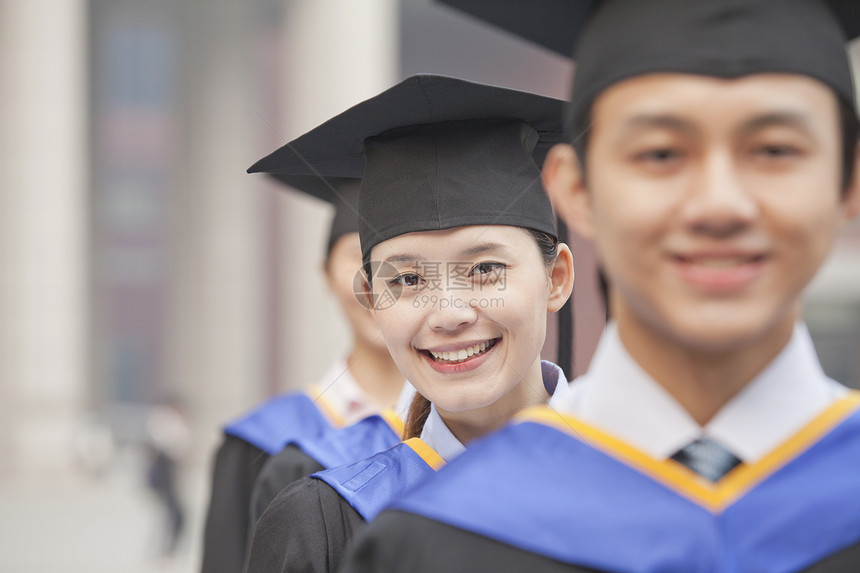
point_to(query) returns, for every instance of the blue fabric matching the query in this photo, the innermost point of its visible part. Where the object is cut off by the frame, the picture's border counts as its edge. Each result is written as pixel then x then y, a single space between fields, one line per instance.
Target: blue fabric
pixel 598 512
pixel 278 421
pixel 371 484
pixel 338 446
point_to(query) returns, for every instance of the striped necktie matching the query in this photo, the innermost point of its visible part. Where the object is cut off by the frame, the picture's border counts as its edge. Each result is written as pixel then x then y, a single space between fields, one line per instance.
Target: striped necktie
pixel 707 458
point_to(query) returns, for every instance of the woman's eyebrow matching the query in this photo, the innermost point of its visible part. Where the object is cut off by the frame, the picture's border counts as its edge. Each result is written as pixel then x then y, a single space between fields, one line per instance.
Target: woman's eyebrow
pixel 482 248
pixel 404 258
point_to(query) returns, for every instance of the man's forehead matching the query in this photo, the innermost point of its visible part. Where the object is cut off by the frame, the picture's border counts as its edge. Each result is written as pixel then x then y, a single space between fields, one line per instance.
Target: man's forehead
pixel 666 100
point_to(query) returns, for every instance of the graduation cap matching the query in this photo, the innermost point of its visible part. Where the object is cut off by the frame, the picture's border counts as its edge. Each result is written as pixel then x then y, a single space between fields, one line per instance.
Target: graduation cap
pixel 434 153
pixel 619 39
pixel 340 192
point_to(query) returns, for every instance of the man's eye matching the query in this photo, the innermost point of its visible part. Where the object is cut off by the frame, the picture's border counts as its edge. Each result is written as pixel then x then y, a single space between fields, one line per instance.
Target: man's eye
pixel 659 155
pixel 777 151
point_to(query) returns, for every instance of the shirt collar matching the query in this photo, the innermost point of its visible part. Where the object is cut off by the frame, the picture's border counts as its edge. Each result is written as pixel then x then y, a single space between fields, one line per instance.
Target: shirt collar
pixel 404 401
pixel 617 396
pixel 437 435
pixel 343 394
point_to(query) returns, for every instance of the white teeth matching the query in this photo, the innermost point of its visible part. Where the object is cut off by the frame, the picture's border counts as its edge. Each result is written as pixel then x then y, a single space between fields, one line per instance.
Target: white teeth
pixel 460 355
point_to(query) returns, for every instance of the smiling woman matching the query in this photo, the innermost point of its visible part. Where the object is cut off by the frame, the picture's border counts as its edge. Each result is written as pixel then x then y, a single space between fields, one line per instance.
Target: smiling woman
pixel 452 209
pixel 476 363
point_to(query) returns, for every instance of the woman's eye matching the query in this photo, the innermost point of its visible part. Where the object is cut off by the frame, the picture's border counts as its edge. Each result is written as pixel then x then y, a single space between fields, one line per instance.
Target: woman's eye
pixel 406 280
pixel 488 268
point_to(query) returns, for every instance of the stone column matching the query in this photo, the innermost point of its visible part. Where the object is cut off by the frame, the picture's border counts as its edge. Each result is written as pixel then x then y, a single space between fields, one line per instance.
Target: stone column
pixel 337 53
pixel 214 352
pixel 43 231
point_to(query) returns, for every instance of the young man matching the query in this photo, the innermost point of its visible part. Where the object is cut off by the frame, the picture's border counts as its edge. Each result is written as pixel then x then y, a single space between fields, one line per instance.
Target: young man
pixel 714 161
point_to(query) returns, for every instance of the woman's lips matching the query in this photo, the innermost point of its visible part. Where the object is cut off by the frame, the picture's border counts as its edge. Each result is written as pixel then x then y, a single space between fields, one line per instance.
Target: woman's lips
pixel 462 358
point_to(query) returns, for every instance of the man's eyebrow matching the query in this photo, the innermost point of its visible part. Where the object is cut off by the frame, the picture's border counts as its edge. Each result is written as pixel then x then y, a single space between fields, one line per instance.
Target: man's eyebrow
pixel 661 121
pixel 778 119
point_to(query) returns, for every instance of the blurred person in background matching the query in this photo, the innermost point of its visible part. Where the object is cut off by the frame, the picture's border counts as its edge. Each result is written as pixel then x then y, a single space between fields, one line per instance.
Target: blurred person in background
pixel 363 383
pixel 168 440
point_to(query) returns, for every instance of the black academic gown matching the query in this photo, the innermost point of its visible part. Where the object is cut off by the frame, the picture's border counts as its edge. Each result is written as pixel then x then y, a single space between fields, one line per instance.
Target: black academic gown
pixel 313 541
pixel 304 456
pixel 248 442
pixel 237 465
pixel 538 497
pixel 404 542
pixel 309 524
pixel 278 472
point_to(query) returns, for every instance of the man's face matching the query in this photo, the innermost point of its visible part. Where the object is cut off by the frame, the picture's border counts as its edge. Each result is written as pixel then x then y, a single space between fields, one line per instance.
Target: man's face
pixel 711 202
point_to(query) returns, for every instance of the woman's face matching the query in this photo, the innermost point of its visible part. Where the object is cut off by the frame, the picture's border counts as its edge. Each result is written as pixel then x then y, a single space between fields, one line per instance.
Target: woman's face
pixel 344 262
pixel 466 318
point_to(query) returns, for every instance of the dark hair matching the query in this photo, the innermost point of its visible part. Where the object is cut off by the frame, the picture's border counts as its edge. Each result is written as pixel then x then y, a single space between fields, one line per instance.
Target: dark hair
pixel 547 244
pixel 419 409
pixel 848 122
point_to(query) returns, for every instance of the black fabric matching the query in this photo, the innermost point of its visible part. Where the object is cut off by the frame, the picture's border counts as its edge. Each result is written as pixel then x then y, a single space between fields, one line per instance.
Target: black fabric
pixel 403 542
pixel 341 192
pixel 434 153
pixel 304 530
pixel 846 560
pixel 553 24
pixel 717 38
pixel 557 24
pixel 279 471
pixel 237 465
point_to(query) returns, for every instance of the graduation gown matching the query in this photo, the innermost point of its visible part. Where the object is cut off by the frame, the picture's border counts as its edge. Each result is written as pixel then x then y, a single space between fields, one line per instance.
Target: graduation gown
pixel 308 525
pixel 248 442
pixel 307 454
pixel 552 493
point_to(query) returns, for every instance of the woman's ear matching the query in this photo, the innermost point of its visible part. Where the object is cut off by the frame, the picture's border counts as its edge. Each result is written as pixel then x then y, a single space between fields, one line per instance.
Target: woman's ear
pixel 564 181
pixel 851 195
pixel 367 295
pixel 560 279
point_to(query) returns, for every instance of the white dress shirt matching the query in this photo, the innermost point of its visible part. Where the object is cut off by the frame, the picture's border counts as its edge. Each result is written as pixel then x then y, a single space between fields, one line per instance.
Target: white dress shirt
pixel 437 435
pixel 348 400
pixel 618 397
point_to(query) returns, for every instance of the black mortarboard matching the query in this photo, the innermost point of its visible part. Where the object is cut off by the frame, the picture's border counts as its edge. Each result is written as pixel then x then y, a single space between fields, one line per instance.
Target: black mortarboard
pixel 723 38
pixel 341 192
pixel 435 153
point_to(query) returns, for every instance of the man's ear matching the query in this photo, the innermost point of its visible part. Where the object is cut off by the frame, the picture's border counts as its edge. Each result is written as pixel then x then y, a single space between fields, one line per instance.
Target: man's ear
pixel 851 195
pixel 564 181
pixel 561 279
